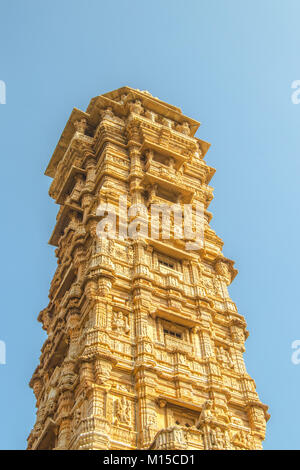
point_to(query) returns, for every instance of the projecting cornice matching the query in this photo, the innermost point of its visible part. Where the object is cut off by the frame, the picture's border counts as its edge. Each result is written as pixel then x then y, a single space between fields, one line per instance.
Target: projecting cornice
pixel 65 138
pixel 150 102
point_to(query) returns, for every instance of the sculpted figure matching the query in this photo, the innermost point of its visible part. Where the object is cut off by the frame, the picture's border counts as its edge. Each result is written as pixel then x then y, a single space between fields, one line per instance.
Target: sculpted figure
pixel 206 413
pixel 37 387
pixel 120 323
pixel 178 435
pixel 207 409
pixel 136 107
pixel 223 270
pixel 224 357
pixel 81 126
pixel 219 438
pixel 77 417
pixel 153 191
pixel 213 438
pixel 171 165
pixel 227 442
pixel 123 98
pixel 103 370
pixel 238 335
pixel 108 113
pixel 122 411
pixel 183 128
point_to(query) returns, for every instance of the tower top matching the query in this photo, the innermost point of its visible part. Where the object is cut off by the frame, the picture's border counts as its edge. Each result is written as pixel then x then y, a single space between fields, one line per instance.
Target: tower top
pixel 119 101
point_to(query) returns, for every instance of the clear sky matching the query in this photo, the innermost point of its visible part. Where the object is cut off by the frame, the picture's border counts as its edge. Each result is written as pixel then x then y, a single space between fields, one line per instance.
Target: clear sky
pixel 229 64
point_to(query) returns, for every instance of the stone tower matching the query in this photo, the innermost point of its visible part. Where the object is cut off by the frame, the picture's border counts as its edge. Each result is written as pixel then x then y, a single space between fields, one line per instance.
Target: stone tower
pixel 144 346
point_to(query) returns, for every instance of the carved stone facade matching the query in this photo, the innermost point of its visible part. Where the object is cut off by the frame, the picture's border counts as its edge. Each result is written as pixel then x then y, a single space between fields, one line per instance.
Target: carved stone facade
pixel 144 346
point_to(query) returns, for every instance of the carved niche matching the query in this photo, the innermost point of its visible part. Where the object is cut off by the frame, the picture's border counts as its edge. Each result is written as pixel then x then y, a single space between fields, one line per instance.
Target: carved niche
pixel 120 323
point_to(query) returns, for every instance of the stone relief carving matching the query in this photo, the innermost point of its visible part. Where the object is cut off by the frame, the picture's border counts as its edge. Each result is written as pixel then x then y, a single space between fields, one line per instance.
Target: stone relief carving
pixel 224 357
pixel 109 114
pixel 136 107
pixel 183 128
pixel 103 369
pixel 206 413
pixel 122 411
pixel 81 125
pixel 120 323
pixel 223 270
pixel 242 439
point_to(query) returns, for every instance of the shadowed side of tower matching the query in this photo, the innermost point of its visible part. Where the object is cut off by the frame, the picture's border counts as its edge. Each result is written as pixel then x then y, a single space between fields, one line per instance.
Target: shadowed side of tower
pixel 145 346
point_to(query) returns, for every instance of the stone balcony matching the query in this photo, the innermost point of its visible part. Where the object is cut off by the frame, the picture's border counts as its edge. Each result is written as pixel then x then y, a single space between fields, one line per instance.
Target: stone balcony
pixel 171 181
pixel 169 438
pixel 175 344
pixel 165 139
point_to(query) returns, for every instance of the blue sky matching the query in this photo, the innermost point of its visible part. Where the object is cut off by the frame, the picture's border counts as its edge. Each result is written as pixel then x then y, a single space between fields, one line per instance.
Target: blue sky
pixel 229 64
